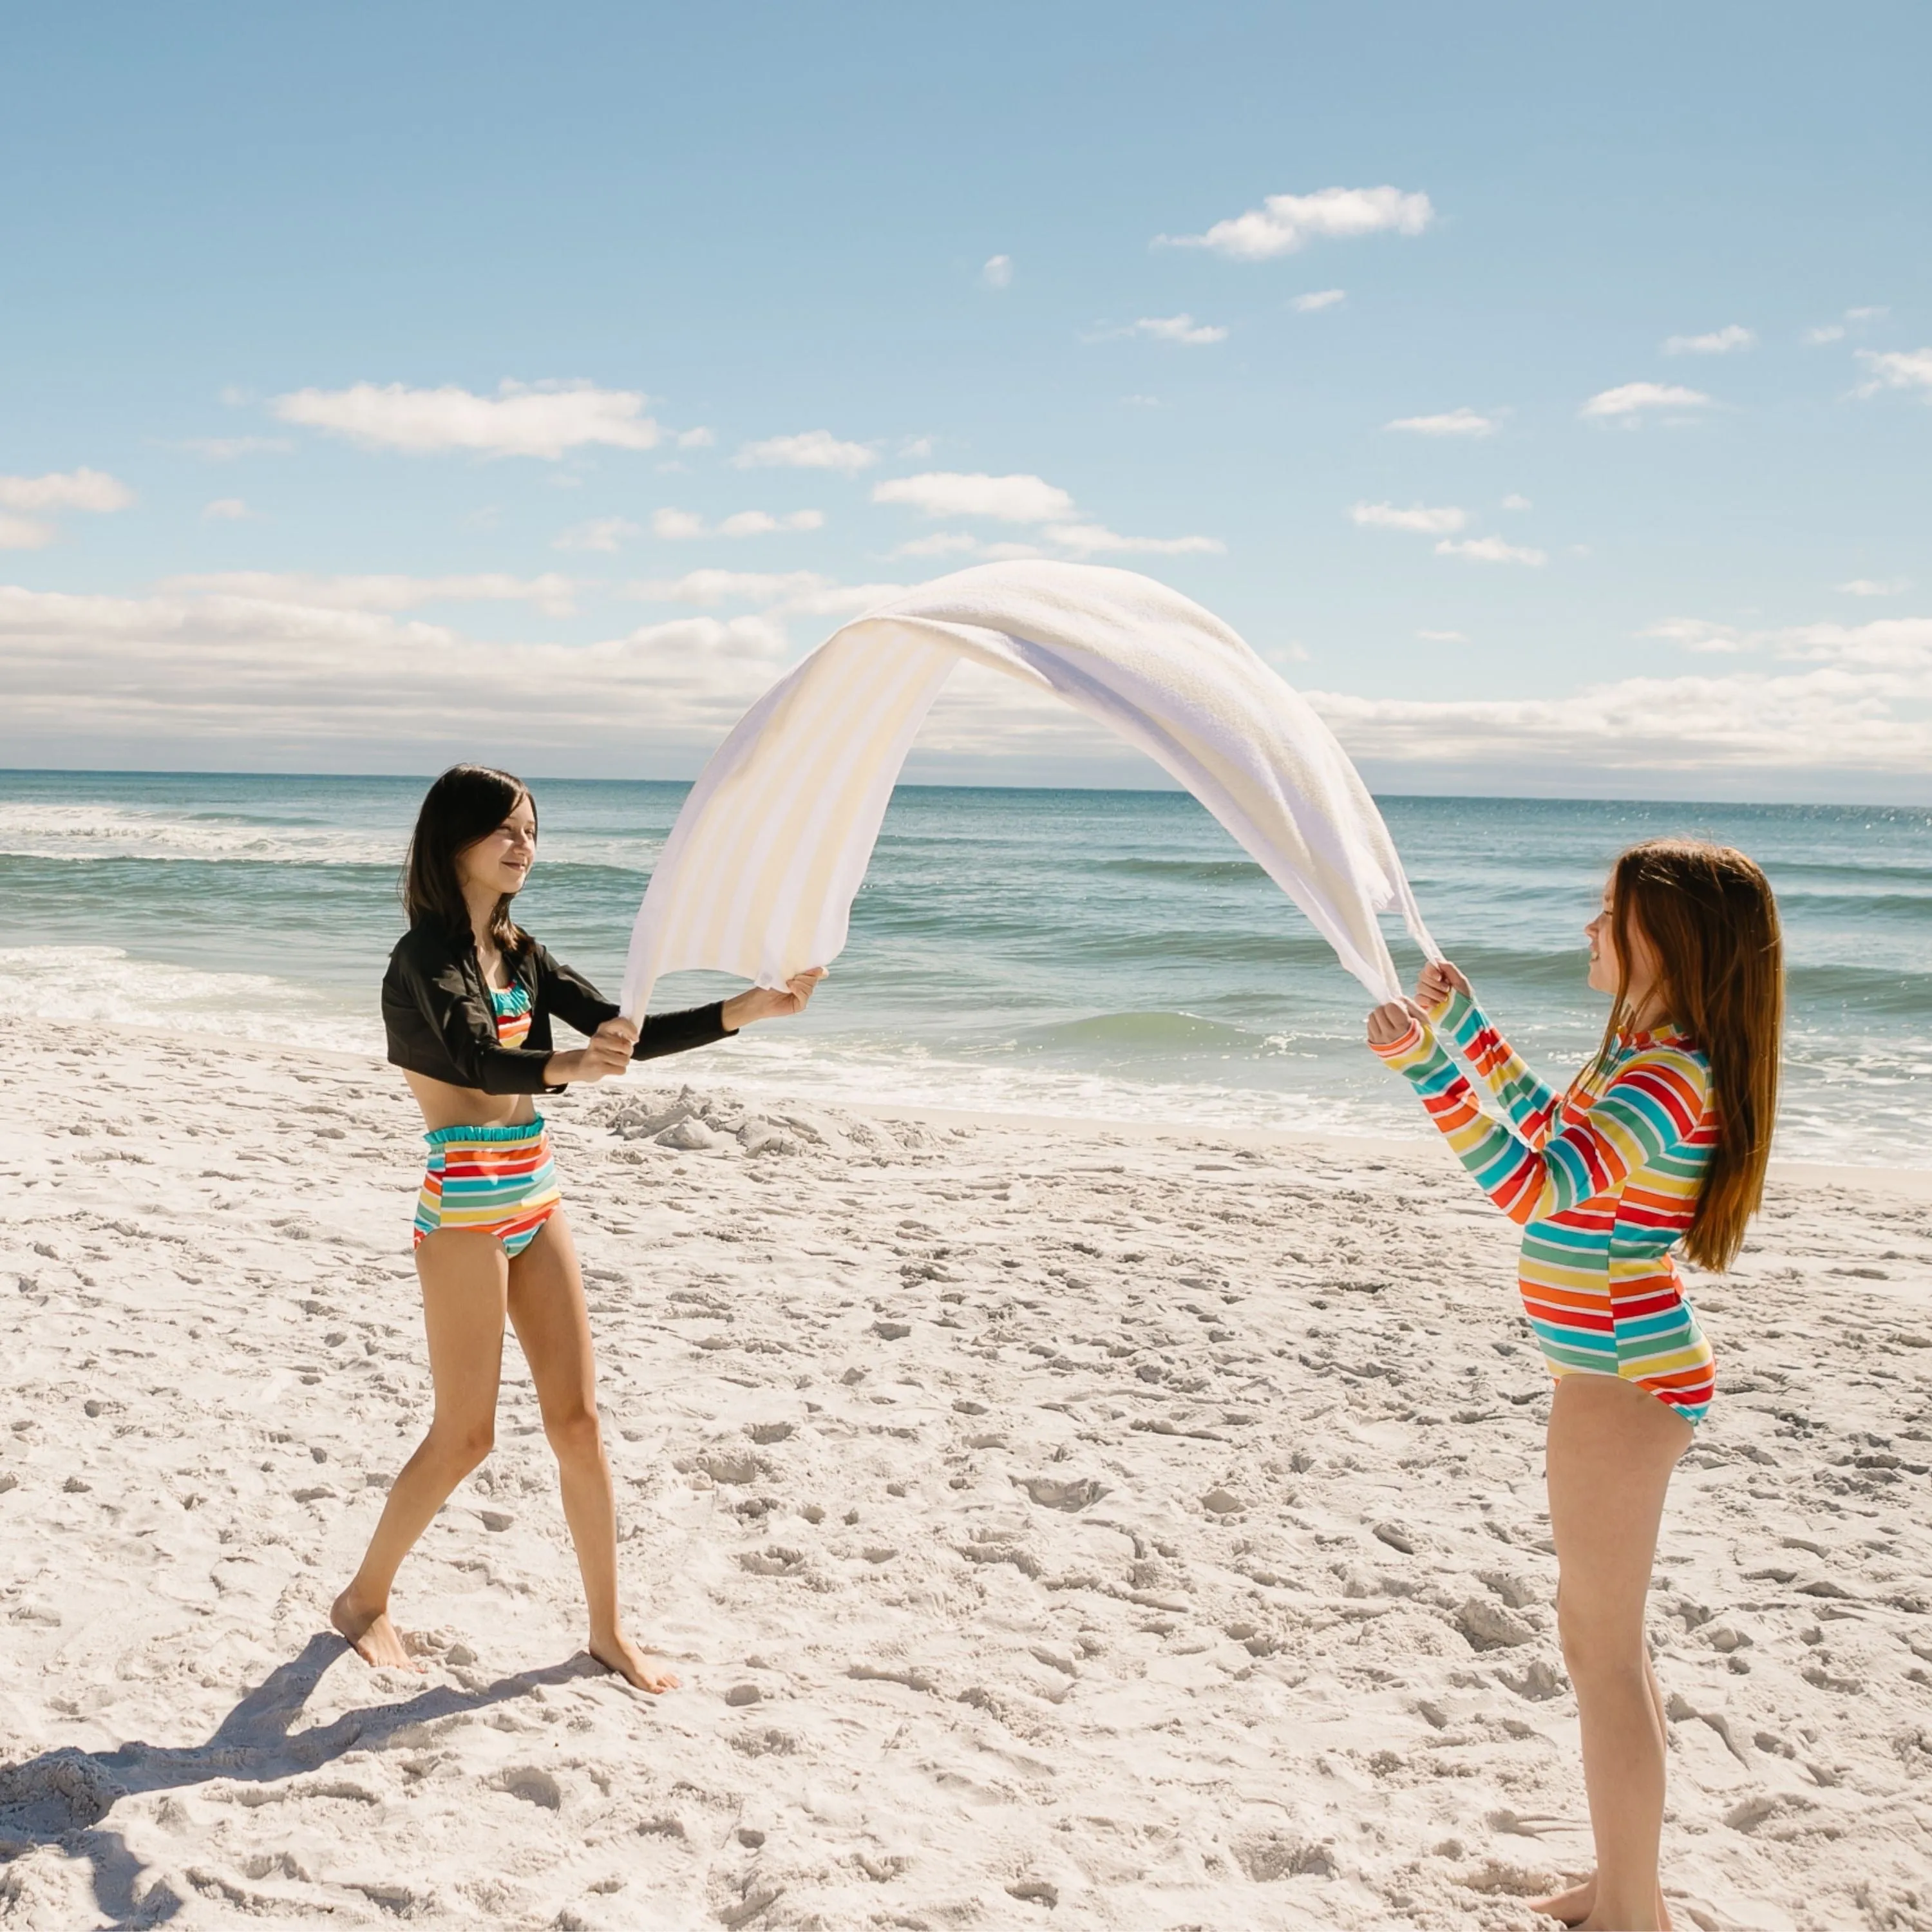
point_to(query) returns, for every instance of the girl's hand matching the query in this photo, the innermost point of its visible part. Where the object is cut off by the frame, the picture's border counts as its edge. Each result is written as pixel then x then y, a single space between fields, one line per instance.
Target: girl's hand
pixel 608 1053
pixel 1388 1023
pixel 761 1002
pixel 1437 980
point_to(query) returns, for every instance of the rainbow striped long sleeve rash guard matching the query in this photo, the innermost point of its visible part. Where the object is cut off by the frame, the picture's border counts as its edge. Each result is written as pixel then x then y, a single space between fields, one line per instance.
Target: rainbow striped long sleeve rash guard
pixel 1603 1180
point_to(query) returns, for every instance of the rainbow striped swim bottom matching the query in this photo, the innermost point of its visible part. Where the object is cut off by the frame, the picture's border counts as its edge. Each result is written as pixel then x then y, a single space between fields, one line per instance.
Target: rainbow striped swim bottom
pixel 496 1180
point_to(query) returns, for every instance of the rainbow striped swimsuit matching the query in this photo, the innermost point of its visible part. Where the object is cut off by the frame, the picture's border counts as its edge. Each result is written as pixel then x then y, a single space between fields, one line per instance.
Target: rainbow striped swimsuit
pixel 1604 1183
pixel 493 1180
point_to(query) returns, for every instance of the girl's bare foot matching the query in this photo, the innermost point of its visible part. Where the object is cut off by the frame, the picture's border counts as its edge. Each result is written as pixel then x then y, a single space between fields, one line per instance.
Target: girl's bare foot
pixel 1571 1907
pixel 374 1639
pixel 619 1654
pixel 1577 1906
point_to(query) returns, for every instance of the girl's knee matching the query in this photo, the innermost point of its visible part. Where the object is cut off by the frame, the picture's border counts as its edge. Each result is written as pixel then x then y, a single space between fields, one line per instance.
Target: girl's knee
pixel 575 1434
pixel 463 1446
pixel 1597 1648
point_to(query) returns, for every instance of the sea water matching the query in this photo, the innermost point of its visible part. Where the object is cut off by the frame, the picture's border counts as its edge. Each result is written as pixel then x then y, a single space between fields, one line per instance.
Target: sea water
pixel 1100 955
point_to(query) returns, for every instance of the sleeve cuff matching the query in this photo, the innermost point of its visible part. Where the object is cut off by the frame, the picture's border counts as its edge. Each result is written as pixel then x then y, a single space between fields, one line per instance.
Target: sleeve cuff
pixel 1416 1048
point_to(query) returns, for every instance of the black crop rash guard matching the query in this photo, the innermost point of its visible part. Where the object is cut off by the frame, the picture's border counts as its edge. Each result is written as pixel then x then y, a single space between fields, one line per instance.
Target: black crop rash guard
pixel 436 1012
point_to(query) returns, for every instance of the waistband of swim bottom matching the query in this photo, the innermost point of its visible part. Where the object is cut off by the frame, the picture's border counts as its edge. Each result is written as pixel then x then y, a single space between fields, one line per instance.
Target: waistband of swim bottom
pixel 519 1132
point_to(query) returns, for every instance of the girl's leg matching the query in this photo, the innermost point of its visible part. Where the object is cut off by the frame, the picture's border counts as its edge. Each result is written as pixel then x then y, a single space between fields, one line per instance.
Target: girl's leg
pixel 465 1281
pixel 1611 1448
pixel 1573 1906
pixel 546 1303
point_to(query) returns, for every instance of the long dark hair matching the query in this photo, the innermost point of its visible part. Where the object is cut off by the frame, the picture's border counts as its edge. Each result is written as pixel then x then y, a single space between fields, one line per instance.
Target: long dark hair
pixel 468 803
pixel 1709 912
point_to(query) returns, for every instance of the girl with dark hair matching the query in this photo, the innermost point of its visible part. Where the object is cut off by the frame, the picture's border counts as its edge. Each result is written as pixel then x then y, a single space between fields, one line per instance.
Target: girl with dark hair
pixel 467 1004
pixel 1663 1138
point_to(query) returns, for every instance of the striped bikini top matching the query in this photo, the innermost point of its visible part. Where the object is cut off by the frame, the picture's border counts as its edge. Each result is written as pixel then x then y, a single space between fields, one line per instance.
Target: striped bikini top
pixel 512 1010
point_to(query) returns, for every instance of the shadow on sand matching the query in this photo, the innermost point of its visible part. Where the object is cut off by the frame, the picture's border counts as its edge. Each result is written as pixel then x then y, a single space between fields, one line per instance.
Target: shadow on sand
pixel 61 1797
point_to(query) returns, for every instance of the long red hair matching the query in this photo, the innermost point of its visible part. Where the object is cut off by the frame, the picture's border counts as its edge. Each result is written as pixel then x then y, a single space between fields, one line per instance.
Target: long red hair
pixel 1709 913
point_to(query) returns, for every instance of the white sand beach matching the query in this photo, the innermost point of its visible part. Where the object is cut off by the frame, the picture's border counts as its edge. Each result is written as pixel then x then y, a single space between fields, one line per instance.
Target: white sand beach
pixel 1052 1524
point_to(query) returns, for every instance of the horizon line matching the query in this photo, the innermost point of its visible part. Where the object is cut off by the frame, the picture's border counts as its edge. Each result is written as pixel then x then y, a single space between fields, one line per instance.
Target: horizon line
pixel 925 784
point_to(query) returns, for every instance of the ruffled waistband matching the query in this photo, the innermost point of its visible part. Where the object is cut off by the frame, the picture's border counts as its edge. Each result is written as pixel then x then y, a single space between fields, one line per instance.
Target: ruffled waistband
pixel 516 1132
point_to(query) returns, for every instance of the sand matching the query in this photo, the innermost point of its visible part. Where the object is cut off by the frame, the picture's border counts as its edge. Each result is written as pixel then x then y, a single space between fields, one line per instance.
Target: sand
pixel 1054 1526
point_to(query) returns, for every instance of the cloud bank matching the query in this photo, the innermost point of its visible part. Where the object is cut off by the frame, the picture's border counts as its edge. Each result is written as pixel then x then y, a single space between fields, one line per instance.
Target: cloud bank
pixel 304 667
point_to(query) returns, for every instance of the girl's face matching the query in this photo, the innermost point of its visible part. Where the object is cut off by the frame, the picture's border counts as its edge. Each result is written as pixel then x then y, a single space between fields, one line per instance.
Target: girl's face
pixel 1605 968
pixel 501 860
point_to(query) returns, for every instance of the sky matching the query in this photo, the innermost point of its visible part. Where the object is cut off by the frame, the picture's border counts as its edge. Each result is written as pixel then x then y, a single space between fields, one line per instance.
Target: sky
pixel 1546 392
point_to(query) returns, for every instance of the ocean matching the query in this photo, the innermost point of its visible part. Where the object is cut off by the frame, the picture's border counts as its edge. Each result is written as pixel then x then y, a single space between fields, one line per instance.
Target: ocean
pixel 1097 955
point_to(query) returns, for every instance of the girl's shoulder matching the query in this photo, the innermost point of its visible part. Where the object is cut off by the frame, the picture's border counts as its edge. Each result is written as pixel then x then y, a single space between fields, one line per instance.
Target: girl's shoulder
pixel 1666 1075
pixel 425 947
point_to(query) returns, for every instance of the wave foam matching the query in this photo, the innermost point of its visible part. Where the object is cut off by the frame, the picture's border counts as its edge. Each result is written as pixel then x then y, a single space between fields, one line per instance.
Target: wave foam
pixel 29 829
pixel 101 986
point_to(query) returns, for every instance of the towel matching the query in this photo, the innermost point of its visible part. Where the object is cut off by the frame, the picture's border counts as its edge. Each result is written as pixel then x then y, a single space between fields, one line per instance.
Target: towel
pixel 758 874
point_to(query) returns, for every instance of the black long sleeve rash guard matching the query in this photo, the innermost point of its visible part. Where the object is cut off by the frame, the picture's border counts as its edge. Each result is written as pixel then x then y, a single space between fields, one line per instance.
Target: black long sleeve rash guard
pixel 437 1015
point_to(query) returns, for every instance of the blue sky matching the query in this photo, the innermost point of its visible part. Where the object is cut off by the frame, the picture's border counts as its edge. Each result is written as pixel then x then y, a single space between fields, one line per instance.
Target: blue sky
pixel 1652 286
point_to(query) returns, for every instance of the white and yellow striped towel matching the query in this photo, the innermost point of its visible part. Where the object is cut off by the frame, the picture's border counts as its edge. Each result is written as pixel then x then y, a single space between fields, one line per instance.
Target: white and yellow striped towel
pixel 758 874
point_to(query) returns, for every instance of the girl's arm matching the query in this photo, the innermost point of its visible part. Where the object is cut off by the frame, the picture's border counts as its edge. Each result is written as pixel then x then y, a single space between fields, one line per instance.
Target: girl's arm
pixel 1474 1040
pixel 567 994
pixel 1649 1115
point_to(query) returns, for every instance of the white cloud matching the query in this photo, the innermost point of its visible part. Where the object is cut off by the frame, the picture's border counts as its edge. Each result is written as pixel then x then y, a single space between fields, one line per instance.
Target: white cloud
pixel 1317 299
pixel 812 449
pixel 1442 637
pixel 679 525
pixel 1898 369
pixel 90 490
pixel 1629 399
pixel 65 490
pixel 1719 342
pixel 801 591
pixel 25 532
pixel 305 590
pixel 1870 586
pixel 227 449
pixel 1696 634
pixel 1419 517
pixel 1453 422
pixel 757 523
pixel 1011 500
pixel 226 510
pixel 542 419
pixel 1285 223
pixel 1873 314
pixel 998 271
pixel 699 438
pixel 1491 549
pixel 1832 331
pixel 1093 539
pixel 941 543
pixel 1513 502
pixel 607 534
pixel 1181 328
